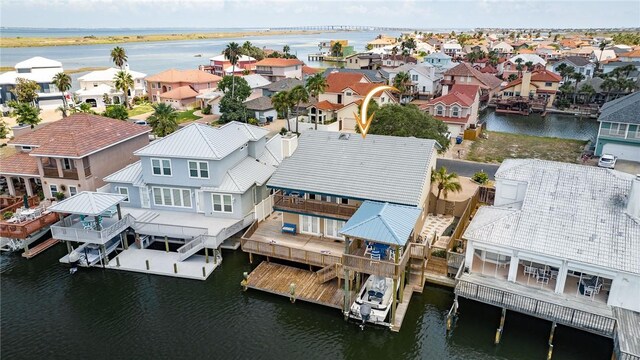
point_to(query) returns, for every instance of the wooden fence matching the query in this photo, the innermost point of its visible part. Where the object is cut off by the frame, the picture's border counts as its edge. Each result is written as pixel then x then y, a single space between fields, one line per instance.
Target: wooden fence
pixel 287 253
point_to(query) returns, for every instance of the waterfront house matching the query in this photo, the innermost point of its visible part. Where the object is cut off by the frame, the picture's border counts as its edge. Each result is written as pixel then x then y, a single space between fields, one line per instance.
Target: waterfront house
pixel 368 61
pixel 425 82
pixel 452 49
pixel 631 56
pixel 598 55
pixel 382 41
pixel 331 219
pixel 610 65
pixel 256 83
pixel 465 74
pixel 179 88
pixel 97 85
pixel 198 186
pixel 458 108
pixel 584 51
pixel 439 60
pixel 274 69
pixel 71 155
pixel 219 65
pixel 579 64
pixel 39 69
pixel 539 85
pixel 261 109
pixel 393 61
pixel 560 243
pixel 510 66
pixel 619 130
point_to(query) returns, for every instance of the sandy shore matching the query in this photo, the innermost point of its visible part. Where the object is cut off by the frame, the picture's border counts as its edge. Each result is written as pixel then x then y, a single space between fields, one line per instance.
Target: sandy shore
pixel 8 42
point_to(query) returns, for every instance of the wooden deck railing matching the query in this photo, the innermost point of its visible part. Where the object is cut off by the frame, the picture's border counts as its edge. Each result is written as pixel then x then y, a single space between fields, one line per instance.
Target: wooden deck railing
pixel 295 203
pixel 464 220
pixel 377 267
pixel 327 273
pixel 583 320
pixel 24 229
pixel 13 203
pixel 288 253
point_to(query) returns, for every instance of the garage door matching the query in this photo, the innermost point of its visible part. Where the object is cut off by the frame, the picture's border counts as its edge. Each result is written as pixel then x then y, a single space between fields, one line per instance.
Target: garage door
pixel 624 152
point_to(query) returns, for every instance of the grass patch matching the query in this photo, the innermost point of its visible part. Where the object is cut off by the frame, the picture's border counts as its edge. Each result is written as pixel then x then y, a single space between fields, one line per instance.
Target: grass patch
pixel 188 115
pixel 140 109
pixel 500 146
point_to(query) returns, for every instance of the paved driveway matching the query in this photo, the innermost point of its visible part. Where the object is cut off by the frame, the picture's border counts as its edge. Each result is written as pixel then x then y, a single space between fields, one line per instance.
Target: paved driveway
pixel 631 167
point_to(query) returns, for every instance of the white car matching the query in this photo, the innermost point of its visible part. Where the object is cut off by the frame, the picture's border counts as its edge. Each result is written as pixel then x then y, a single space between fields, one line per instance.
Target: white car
pixel 140 122
pixel 607 161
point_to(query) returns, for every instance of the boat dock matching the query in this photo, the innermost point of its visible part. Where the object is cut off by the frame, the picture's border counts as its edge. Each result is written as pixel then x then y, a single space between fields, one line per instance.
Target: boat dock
pixel 278 279
pixel 29 253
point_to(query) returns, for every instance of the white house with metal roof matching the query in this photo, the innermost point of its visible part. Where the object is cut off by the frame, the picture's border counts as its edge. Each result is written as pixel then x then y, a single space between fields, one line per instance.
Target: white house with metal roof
pixel 94 86
pixel 561 242
pixel 200 180
pixel 38 69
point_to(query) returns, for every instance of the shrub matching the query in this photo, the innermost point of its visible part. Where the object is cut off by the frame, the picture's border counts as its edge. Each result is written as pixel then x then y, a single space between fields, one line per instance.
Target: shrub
pixel 253 121
pixel 206 110
pixel 480 177
pixel 283 130
pixel 7 215
pixel 441 253
pixel 59 195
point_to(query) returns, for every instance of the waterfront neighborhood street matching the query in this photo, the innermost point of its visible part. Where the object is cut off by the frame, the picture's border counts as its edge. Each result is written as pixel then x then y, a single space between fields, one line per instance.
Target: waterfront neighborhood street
pixel 467 168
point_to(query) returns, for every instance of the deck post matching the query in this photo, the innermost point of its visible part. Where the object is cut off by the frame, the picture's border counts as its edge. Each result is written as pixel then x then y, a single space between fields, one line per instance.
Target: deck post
pixel 117 261
pixel 250 258
pixel 553 330
pixel 69 249
pixel 206 255
pixel 402 285
pixel 499 331
pixel 175 268
pixel 166 243
pixel 346 283
pixel 215 256
pixel 104 252
pixel 147 263
pixel 358 284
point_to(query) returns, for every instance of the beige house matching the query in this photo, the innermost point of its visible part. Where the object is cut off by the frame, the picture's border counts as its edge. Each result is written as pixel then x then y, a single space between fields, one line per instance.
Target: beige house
pixel 274 69
pixel 536 85
pixel 458 109
pixel 71 155
pixel 368 61
pixel 161 86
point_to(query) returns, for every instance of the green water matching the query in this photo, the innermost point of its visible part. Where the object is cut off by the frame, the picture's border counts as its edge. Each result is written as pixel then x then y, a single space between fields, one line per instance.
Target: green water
pixel 107 314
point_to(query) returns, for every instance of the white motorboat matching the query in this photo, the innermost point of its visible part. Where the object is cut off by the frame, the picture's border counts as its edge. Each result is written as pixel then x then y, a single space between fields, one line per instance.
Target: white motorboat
pixel 374 301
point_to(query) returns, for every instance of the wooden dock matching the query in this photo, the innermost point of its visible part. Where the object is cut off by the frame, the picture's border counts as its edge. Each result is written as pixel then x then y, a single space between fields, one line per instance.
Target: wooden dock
pixel 401 310
pixel 39 248
pixel 276 279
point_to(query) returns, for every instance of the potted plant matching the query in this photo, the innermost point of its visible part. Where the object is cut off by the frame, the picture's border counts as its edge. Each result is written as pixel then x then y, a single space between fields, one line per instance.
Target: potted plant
pixel 59 195
pixel 7 215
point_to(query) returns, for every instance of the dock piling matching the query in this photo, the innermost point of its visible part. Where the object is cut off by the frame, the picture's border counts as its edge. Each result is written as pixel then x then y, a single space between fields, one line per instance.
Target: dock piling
pixel 553 330
pixel 499 331
pixel 206 255
pixel 292 292
pixel 166 243
pixel 147 262
pixel 117 261
pixel 204 272
pixel 175 268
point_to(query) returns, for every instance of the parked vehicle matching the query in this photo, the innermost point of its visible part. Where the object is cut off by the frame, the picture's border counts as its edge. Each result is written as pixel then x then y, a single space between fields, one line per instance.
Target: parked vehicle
pixel 140 122
pixel 607 161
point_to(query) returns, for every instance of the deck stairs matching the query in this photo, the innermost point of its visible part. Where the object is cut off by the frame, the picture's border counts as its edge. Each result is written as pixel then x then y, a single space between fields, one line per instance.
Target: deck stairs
pixel 327 273
pixel 39 248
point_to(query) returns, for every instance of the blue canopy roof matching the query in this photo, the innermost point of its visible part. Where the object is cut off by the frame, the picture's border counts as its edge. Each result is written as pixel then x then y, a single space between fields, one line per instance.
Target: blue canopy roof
pixel 382 223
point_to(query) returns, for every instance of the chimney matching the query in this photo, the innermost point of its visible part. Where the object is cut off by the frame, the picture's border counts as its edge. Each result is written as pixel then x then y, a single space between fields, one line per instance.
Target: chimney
pixel 633 204
pixel 526 84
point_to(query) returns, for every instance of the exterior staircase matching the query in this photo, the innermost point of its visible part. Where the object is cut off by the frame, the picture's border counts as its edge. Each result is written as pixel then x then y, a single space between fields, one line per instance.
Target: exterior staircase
pixel 327 273
pixel 191 247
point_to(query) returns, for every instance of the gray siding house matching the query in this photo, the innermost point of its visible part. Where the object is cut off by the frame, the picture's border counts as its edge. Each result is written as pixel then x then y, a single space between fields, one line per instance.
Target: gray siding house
pixel 198 180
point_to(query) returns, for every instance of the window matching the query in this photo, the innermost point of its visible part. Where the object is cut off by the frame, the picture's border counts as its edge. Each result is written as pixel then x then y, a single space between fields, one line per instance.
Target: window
pixel 617 129
pixel 199 169
pixel 455 111
pixel 439 110
pixel 73 190
pixel 310 225
pixel 66 164
pixel 332 228
pixel 348 93
pixel 548 84
pixel 222 203
pixel 158 85
pixel 161 167
pixel 26 148
pixel 53 188
pixel 172 197
pixel 588 72
pixel 344 201
pixel 414 77
pixel 122 191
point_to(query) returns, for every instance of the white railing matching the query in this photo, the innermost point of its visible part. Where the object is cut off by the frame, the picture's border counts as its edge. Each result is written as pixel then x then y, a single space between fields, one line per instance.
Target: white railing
pixel 264 209
pixel 195 242
pixel 173 231
pixel 63 230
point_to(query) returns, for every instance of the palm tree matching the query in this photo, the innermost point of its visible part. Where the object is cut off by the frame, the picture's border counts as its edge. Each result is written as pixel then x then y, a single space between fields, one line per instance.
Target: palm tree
pixel 519 62
pixel 588 91
pixel 471 57
pixel 529 65
pixel 164 119
pixel 402 81
pixel 298 95
pixel 602 46
pixel 607 86
pixel 232 53
pixel 63 82
pixel 286 49
pixel 445 182
pixel 336 49
pixel 282 103
pixel 577 77
pixel 124 81
pixel 316 84
pixel 118 56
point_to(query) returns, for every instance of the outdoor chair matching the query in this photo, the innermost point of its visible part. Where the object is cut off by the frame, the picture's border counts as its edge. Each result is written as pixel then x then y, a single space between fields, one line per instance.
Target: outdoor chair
pixel 368 249
pixel 375 254
pixel 530 270
pixel 589 291
pixel 542 279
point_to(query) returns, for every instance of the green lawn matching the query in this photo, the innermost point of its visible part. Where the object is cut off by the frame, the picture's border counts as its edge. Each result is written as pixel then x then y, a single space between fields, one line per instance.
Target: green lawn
pixel 140 109
pixel 185 116
pixel 499 146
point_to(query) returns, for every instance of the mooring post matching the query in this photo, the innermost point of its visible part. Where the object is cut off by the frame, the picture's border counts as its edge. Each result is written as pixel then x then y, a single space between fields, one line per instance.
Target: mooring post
pixel 204 272
pixel 244 281
pixel 206 255
pixel 250 258
pixel 292 292
pixel 553 330
pixel 175 268
pixel 117 261
pixel 499 331
pixel 147 262
pixel 166 243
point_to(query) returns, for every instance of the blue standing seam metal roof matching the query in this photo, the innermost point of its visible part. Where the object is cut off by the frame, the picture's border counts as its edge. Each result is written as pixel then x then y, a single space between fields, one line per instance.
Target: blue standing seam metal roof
pixel 382 223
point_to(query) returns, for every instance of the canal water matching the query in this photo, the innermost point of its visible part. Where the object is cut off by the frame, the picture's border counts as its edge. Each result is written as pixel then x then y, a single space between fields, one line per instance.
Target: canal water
pixel 552 125
pixel 46 313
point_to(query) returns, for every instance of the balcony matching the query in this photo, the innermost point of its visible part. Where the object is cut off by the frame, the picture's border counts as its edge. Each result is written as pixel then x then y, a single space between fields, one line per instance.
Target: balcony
pixel 22 230
pixel 313 207
pixel 264 72
pixel 358 261
pixel 52 172
pixel 618 135
pixel 71 228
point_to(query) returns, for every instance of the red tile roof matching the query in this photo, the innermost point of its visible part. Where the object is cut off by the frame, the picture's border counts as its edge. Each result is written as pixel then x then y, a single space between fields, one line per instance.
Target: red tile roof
pixel 79 135
pixel 326 105
pixel 363 88
pixel 19 164
pixel 464 69
pixel 488 69
pixel 633 53
pixel 180 93
pixel 469 91
pixel 276 62
pixel 338 81
pixel 459 94
pixel 308 70
pixel 187 76
pixel 454 120
pixel 546 76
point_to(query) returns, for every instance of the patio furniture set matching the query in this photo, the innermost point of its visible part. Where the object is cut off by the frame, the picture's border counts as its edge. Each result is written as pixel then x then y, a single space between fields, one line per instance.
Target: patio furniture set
pixel 28 214
pixel 379 251
pixel 542 275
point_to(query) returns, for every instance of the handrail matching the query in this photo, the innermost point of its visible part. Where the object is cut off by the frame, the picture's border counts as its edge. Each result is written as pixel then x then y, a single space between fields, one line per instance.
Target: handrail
pixel 288 253
pixel 297 203
pixel 200 239
pixel 24 229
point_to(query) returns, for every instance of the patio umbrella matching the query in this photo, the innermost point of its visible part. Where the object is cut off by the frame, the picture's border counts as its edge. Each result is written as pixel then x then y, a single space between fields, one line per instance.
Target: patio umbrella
pixel 25 200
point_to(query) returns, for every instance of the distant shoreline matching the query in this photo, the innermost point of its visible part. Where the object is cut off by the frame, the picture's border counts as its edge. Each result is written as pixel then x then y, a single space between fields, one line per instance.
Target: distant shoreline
pixel 68 71
pixel 21 42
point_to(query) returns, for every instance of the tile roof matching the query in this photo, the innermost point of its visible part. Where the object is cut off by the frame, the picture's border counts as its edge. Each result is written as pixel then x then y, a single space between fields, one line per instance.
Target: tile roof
pixel 571 212
pixel 464 69
pixel 338 81
pixel 180 93
pixel 488 69
pixel 459 94
pixel 453 120
pixel 632 53
pixel 381 168
pixel 326 105
pixel 382 223
pixel 362 88
pixel 78 135
pixel 87 203
pixel 276 62
pixel 18 163
pixel 260 104
pixel 187 76
pixel 308 70
pixel 285 84
pixel 200 141
pixel 372 75
pixel 623 110
pixel 545 75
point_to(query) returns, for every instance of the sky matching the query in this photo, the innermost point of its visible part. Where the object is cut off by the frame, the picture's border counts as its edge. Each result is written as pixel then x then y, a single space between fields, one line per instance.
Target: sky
pixel 423 14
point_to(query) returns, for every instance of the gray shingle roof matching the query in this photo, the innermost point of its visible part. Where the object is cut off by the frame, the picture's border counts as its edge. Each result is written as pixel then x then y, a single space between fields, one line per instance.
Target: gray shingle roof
pixel 570 211
pixel 577 60
pixel 260 104
pixel 199 141
pixel 285 84
pixel 381 168
pixel 623 110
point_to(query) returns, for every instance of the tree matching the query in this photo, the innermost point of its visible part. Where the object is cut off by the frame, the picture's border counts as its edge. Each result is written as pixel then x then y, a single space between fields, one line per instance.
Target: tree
pixel 124 81
pixel 26 113
pixel 118 56
pixel 298 95
pixel 281 101
pixel 164 119
pixel 26 91
pixel 4 129
pixel 519 62
pixel 242 88
pixel 445 182
pixel 577 77
pixel 566 72
pixel 232 110
pixel 316 84
pixel 512 77
pixel 232 53
pixel 116 112
pixel 84 108
pixel 336 49
pixel 63 82
pixel 588 91
pixel 402 82
pixel 529 65
pixel 602 46
pixel 286 49
pixel 408 120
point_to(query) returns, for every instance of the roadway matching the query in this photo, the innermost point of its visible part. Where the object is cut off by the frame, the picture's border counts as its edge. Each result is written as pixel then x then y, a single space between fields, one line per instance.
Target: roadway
pixel 467 168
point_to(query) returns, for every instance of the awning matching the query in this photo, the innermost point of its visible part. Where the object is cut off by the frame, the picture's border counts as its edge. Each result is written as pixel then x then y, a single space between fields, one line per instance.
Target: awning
pixel 382 223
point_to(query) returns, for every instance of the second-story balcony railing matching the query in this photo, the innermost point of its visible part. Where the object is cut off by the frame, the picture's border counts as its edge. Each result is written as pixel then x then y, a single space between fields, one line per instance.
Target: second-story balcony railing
pixel 71 228
pixel 66 173
pixel 264 72
pixel 313 207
